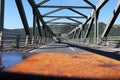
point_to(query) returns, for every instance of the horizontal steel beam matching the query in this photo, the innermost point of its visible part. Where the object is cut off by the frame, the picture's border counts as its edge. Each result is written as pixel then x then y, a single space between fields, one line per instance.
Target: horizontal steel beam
pixel 52 11
pixel 64 16
pixel 78 12
pixel 74 20
pixel 62 23
pixel 57 24
pixel 53 20
pixel 51 6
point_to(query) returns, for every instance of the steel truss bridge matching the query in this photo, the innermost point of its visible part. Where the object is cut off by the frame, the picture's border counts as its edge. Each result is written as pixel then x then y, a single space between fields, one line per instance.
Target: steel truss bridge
pixel 78 34
pixel 77 39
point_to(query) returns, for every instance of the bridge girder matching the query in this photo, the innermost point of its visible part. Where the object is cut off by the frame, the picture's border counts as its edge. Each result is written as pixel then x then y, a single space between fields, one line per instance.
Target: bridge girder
pixel 23 16
pixel 112 20
pixel 94 14
pixel 38 14
pixel 2 2
pixel 44 29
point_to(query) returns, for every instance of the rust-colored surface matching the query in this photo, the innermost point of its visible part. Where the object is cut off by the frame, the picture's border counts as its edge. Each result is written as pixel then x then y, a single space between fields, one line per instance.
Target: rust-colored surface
pixel 83 65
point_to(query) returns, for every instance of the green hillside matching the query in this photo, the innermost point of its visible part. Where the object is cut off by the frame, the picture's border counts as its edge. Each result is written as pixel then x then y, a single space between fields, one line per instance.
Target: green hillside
pixel 115 31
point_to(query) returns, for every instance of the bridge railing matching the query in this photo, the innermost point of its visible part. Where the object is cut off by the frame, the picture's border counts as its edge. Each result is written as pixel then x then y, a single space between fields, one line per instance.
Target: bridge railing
pixel 111 41
pixel 12 41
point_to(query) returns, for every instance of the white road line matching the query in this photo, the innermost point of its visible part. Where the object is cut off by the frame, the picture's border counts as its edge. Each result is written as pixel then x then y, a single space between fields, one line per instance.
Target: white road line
pixel 72 49
pixel 43 46
pixel 32 51
pixel 37 49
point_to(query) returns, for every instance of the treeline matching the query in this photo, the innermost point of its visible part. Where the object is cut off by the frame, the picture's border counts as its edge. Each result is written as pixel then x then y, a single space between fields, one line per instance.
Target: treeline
pixel 115 31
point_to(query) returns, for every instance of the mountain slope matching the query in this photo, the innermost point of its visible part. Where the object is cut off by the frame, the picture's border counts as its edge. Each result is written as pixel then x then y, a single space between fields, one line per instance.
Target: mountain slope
pixel 115 31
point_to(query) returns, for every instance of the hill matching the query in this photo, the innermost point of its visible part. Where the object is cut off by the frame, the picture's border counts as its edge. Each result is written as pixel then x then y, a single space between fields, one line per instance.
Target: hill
pixel 14 31
pixel 115 31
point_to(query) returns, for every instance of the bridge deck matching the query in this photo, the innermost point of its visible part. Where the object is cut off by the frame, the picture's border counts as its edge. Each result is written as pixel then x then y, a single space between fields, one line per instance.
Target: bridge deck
pixel 54 63
pixel 83 65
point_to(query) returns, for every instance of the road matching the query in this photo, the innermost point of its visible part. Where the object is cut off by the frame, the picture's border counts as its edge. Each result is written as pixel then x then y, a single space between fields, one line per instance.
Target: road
pixel 57 48
pixel 11 58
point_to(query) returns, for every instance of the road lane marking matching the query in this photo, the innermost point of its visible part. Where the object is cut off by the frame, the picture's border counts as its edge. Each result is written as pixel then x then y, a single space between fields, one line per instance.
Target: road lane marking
pixel 72 49
pixel 43 46
pixel 37 49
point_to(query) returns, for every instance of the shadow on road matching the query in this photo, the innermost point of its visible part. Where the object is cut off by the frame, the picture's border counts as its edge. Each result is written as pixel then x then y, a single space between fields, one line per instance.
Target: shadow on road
pixel 17 76
pixel 113 55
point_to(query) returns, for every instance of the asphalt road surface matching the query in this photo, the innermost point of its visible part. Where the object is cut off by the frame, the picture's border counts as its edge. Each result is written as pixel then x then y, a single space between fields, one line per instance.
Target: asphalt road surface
pixel 11 58
pixel 58 48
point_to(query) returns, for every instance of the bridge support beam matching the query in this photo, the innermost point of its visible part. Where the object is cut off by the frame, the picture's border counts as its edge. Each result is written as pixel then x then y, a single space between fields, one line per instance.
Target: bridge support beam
pixel 89 28
pixel 94 14
pixel 39 30
pixel 34 29
pixel 2 2
pixel 96 27
pixel 112 20
pixel 1 21
pixel 79 34
pixel 23 16
pixel 39 16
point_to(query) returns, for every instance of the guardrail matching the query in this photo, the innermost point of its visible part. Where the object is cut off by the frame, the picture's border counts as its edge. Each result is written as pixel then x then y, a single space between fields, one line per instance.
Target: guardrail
pixel 111 38
pixel 12 41
pixel 112 41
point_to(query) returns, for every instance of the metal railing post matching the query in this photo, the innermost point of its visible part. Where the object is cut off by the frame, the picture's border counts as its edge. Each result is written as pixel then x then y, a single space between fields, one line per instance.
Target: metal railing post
pixel 26 41
pixel 37 39
pixel 32 40
pixel 1 41
pixel 17 41
pixel 40 39
pixel 1 47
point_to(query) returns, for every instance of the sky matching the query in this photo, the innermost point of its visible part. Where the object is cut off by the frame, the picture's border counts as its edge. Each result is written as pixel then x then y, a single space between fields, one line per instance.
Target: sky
pixel 12 18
